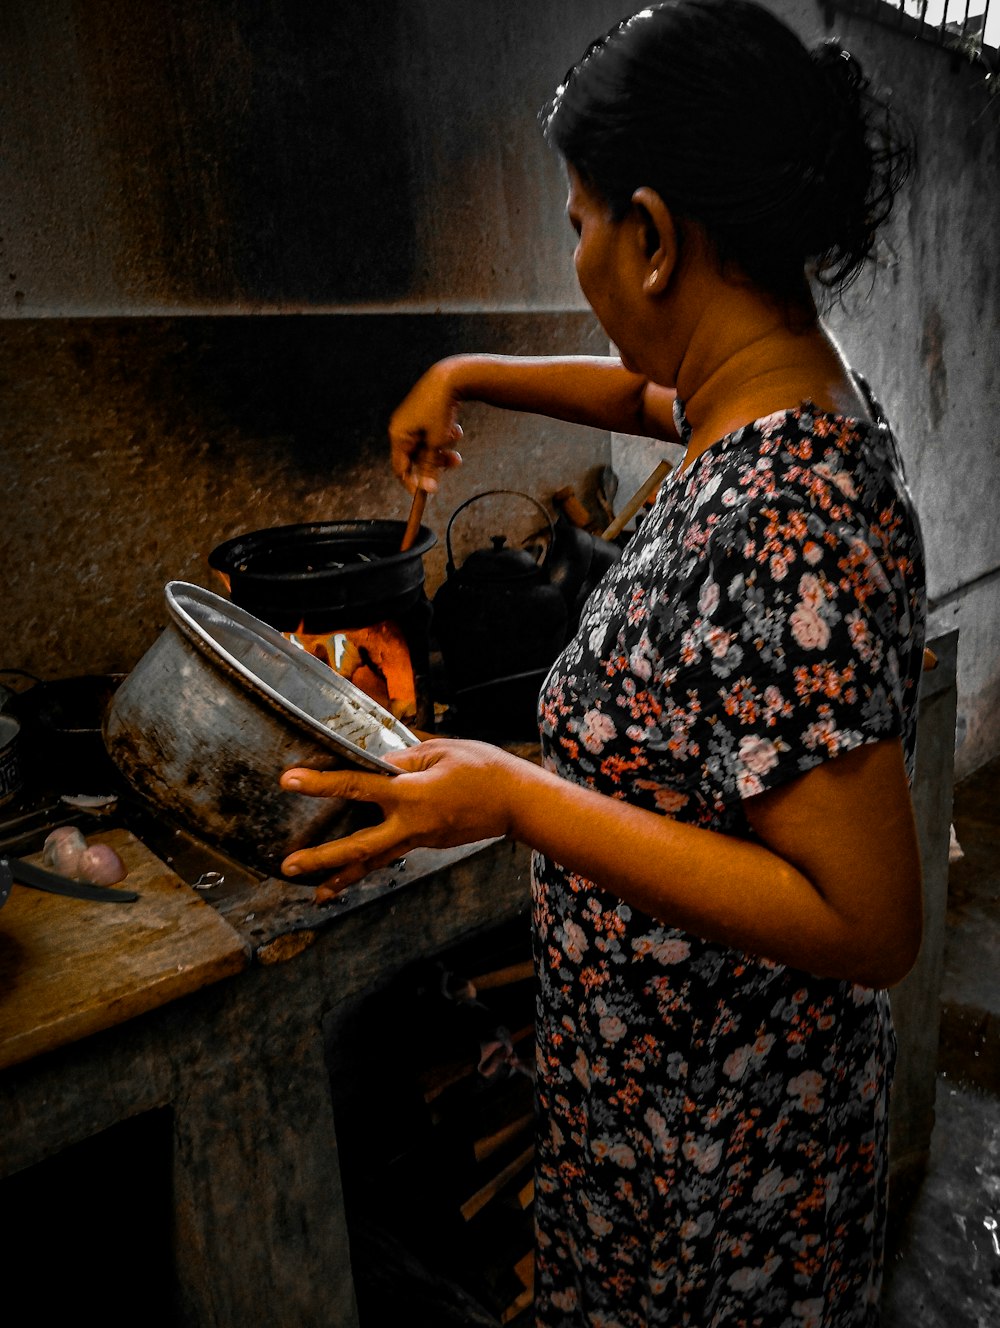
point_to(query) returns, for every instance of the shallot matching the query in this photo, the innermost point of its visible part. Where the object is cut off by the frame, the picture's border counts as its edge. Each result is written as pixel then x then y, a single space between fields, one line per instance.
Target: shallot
pixel 67 852
pixel 62 850
pixel 101 865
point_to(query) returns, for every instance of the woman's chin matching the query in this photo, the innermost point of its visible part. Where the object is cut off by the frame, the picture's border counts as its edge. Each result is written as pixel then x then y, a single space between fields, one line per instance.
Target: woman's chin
pixel 628 361
pixel 637 365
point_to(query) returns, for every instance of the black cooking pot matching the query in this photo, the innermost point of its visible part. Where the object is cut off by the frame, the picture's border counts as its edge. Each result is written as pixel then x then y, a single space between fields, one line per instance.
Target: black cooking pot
pixel 323 574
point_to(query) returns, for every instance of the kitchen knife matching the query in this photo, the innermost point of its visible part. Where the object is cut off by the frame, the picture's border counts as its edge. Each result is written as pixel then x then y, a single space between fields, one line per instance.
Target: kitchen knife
pixel 25 873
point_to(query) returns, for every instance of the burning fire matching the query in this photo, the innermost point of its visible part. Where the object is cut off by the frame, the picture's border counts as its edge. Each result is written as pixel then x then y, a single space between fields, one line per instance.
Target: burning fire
pixel 376 659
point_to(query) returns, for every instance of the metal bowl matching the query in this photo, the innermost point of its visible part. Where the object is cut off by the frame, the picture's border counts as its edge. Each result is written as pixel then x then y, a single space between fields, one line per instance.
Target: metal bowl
pixel 218 707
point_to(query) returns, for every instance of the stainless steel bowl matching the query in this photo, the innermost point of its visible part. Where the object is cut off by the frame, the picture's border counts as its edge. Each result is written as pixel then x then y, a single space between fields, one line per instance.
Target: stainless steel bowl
pixel 218 707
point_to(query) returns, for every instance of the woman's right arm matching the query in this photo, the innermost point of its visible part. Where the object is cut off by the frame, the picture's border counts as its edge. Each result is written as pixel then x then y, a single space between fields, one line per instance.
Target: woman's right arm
pixel 593 390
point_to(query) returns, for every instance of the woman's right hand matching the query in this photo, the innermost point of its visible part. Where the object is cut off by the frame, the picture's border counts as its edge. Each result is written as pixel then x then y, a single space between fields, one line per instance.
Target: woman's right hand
pixel 424 429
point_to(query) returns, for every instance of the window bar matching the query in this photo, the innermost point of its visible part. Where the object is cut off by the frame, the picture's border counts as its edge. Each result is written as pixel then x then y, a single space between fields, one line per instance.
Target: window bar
pixel 941 32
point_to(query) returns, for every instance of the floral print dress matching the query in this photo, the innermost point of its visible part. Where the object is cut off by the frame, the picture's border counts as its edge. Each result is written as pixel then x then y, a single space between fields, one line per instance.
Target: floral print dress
pixel 712 1126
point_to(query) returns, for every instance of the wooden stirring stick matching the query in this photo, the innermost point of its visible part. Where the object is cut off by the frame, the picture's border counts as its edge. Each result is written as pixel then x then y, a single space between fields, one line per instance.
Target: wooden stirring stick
pixel 418 503
pixel 636 501
pixel 415 517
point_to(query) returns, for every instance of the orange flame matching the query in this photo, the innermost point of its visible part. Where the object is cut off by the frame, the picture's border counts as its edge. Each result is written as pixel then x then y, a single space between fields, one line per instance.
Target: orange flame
pixel 376 659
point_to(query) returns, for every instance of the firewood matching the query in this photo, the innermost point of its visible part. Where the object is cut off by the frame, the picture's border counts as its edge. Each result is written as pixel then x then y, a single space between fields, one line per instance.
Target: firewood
pixel 489 1143
pixel 524 1271
pixel 573 509
pixel 518 1305
pixel 503 977
pixel 438 1078
pixel 492 1188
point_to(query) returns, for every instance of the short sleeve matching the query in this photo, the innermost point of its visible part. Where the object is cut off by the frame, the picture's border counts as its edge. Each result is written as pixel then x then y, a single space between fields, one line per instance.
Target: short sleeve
pixel 786 639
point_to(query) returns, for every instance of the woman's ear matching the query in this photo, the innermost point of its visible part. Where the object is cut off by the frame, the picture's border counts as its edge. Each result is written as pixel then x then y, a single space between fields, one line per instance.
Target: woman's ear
pixel 660 238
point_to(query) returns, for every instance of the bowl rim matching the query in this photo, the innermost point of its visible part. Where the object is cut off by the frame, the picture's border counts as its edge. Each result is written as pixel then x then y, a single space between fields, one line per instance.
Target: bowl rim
pixel 175 591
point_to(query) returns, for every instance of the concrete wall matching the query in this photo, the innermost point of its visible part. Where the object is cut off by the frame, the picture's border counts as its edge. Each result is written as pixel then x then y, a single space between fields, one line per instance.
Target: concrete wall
pixel 242 155
pixel 234 232
pixel 927 335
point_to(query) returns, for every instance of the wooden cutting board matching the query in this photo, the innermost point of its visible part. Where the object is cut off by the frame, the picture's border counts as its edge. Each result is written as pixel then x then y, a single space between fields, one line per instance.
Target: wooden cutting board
pixel 69 967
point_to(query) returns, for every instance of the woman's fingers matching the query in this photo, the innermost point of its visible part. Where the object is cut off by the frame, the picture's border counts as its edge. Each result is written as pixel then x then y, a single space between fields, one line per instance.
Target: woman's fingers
pixel 365 849
pixel 345 876
pixel 420 469
pixel 424 431
pixel 354 785
pixel 354 855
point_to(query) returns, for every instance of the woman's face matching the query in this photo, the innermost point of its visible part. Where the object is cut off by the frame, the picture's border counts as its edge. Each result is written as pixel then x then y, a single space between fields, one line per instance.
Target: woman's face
pixel 600 260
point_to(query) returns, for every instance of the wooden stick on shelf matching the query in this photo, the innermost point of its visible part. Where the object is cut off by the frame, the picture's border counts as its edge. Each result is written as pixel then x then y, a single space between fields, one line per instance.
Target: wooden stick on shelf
pixel 636 501
pixel 524 1271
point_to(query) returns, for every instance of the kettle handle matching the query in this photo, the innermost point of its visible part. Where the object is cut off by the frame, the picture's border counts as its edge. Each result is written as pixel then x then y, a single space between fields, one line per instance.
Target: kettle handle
pixel 487 493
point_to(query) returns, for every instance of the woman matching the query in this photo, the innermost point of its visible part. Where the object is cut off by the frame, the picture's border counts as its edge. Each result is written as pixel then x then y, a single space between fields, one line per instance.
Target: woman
pixel 726 874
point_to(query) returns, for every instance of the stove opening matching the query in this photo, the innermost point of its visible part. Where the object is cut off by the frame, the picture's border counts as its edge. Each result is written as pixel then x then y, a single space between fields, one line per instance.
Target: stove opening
pixel 375 658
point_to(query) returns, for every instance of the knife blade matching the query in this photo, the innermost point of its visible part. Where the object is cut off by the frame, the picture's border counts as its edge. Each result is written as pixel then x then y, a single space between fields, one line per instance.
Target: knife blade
pixel 26 873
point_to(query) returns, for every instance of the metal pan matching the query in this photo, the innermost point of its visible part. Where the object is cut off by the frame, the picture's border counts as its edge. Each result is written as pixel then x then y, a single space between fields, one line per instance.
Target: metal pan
pixel 214 711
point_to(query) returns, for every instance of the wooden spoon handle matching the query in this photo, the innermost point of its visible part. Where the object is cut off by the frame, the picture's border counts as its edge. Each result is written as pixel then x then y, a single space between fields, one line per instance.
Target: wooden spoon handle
pixel 415 517
pixel 636 501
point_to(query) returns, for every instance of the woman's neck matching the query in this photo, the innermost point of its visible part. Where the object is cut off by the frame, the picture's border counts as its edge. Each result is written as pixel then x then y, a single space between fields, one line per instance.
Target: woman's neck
pixel 743 360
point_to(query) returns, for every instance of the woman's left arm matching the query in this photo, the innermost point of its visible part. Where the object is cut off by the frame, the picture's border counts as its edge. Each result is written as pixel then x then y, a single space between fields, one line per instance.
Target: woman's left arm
pixel 831 885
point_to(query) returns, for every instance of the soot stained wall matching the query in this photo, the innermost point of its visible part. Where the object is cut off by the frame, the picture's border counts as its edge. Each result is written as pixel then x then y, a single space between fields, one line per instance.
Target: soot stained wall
pixel 132 447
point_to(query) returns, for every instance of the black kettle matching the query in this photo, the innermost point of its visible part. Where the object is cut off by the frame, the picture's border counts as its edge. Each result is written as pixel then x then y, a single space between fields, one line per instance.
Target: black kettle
pixel 498 615
pixel 576 563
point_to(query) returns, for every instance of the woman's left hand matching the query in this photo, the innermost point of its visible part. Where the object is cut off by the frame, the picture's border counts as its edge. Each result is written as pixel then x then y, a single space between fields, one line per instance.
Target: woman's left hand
pixel 448 792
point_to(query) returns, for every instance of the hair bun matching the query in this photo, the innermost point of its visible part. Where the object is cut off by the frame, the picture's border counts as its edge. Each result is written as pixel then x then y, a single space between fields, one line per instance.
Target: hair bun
pixel 841 71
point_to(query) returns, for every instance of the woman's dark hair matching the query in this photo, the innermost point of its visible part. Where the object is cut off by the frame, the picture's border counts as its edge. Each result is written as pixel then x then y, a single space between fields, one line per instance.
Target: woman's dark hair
pixel 784 156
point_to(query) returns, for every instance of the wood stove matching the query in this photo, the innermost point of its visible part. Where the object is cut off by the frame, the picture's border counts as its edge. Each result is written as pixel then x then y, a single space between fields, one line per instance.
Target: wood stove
pixel 346 592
